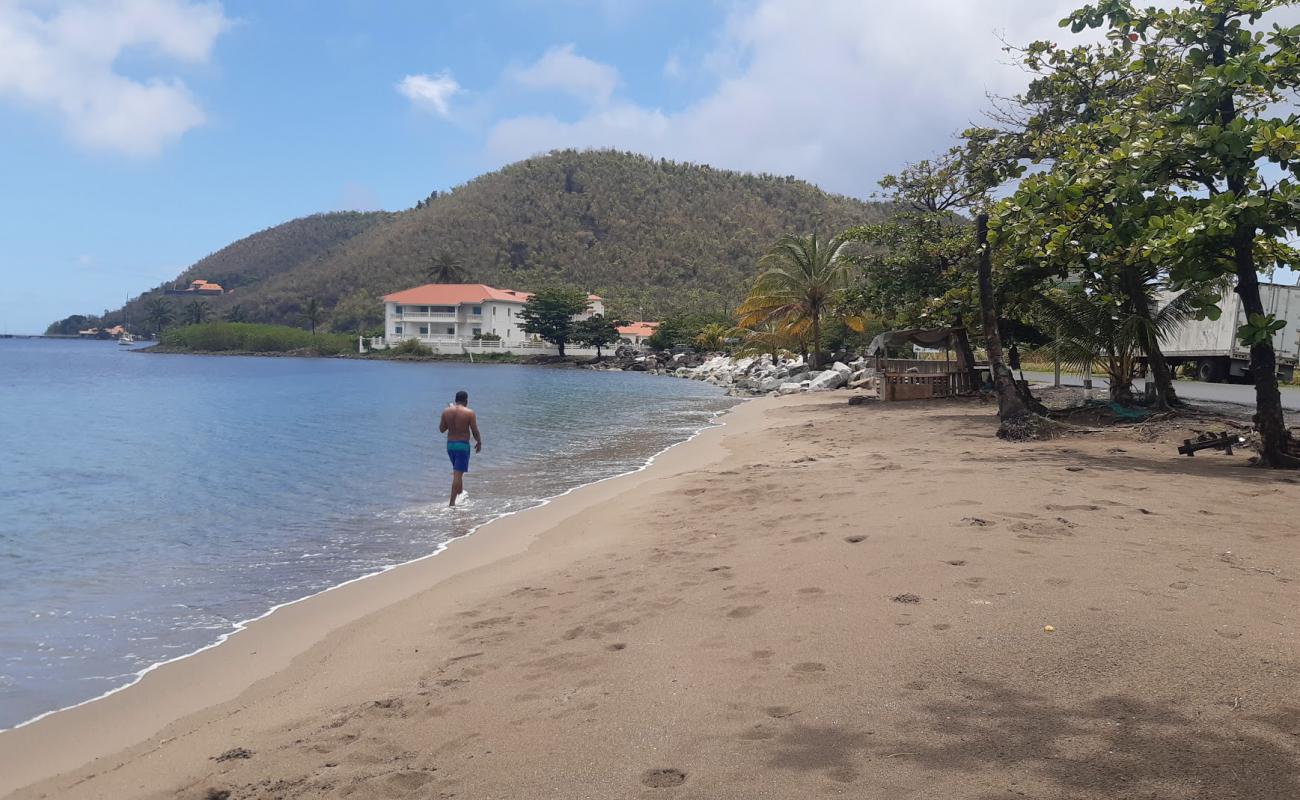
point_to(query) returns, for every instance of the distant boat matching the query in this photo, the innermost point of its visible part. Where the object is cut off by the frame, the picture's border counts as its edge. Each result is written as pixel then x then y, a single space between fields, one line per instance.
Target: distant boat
pixel 126 338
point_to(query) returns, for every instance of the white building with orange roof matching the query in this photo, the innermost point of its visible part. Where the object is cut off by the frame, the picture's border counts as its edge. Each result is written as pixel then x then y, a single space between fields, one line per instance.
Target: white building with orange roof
pixel 638 332
pixel 458 315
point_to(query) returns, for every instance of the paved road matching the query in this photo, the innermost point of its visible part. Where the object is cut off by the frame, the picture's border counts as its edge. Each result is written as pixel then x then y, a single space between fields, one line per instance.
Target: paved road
pixel 1192 390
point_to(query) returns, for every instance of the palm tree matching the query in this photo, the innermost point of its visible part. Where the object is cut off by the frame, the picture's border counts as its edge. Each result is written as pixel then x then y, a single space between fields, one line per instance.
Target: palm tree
pixel 312 314
pixel 196 312
pixel 712 336
pixel 159 313
pixel 236 314
pixel 803 278
pixel 767 338
pixel 1094 325
pixel 446 268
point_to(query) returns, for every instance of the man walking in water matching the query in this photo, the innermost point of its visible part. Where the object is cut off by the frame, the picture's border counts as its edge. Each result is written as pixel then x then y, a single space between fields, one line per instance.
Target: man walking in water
pixel 458 422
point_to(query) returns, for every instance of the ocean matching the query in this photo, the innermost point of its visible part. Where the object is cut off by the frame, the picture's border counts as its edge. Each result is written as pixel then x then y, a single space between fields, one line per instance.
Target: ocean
pixel 151 503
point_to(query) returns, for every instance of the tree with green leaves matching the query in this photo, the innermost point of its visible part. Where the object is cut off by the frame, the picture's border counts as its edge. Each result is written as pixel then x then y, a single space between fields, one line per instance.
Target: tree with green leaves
pixel 917 268
pixel 197 312
pixel 1218 148
pixel 159 313
pixel 236 314
pixel 357 311
pixel 550 314
pixel 803 278
pixel 312 314
pixel 597 331
pixel 1079 221
pixel 446 268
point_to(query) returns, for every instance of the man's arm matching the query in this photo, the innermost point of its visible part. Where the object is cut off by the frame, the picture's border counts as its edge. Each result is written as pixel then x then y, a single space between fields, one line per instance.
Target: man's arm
pixel 473 428
pixel 442 423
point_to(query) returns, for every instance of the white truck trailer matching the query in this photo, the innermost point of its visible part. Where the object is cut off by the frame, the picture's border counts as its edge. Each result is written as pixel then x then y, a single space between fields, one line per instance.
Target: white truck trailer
pixel 1212 345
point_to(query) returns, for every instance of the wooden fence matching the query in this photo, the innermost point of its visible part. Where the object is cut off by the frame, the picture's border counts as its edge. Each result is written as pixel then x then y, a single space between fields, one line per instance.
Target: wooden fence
pixel 924 385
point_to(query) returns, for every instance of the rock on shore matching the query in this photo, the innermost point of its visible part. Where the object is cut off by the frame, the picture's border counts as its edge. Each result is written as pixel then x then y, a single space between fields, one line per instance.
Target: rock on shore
pixel 748 376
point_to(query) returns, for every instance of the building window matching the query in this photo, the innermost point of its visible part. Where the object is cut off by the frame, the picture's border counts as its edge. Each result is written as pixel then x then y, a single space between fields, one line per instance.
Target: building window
pixel 424 309
pixel 397 309
pixel 424 330
pixel 451 331
pixel 397 329
pixel 494 313
pixel 478 331
pixel 477 311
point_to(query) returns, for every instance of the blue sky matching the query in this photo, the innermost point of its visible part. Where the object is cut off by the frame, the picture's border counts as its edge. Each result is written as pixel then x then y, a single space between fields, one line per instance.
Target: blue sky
pixel 137 136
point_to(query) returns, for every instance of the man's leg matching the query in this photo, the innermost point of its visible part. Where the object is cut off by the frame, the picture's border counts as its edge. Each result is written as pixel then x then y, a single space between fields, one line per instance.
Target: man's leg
pixel 456 482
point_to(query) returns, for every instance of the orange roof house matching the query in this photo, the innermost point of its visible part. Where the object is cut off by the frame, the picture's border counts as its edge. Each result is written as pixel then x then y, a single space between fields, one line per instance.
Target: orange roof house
pixel 454 294
pixel 444 313
pixel 638 329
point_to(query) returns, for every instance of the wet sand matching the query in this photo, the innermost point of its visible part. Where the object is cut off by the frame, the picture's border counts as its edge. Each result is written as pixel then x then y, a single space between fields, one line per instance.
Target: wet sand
pixel 816 600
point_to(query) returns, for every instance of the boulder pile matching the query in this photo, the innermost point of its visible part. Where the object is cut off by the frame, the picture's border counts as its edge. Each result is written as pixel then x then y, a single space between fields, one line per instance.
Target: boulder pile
pixel 751 375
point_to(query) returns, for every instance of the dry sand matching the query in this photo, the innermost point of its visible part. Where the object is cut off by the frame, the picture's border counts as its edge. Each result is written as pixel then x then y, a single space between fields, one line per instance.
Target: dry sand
pixel 815 601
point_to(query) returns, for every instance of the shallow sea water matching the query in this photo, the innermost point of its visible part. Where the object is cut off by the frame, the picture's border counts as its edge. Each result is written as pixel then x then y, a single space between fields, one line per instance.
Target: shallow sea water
pixel 148 503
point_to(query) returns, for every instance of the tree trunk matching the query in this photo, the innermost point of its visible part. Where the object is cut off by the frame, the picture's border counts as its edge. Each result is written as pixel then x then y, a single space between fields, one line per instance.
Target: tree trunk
pixel 1011 408
pixel 560 344
pixel 1269 421
pixel 965 354
pixel 817 338
pixel 1140 305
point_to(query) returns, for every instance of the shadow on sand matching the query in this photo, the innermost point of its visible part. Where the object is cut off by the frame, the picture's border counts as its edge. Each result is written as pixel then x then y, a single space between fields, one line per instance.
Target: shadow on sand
pixel 1109 747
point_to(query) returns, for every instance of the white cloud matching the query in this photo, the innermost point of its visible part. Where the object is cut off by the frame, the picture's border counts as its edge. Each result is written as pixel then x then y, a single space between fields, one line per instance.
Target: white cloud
pixel 59 58
pixel 839 92
pixel 563 70
pixel 430 91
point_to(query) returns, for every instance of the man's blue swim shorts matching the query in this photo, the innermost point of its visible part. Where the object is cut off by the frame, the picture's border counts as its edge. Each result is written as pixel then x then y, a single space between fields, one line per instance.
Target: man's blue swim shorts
pixel 458 452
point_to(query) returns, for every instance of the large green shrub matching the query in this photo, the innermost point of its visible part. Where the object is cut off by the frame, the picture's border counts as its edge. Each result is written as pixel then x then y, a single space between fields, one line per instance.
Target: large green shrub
pixel 245 337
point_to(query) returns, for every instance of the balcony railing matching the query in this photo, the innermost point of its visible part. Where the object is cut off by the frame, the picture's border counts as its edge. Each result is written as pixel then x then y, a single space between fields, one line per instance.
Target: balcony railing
pixel 433 316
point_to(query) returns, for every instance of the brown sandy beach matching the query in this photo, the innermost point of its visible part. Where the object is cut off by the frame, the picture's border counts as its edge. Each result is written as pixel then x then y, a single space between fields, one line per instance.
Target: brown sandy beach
pixel 815 600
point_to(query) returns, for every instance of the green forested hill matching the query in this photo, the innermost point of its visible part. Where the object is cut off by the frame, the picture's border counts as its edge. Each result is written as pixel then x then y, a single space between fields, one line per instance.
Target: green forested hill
pixel 650 235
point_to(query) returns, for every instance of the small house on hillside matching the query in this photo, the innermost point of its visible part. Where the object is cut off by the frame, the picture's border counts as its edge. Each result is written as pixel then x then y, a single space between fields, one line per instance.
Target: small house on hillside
pixel 200 287
pixel 456 314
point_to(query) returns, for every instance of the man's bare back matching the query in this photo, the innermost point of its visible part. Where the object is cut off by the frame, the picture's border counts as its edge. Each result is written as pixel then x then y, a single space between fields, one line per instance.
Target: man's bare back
pixel 459 422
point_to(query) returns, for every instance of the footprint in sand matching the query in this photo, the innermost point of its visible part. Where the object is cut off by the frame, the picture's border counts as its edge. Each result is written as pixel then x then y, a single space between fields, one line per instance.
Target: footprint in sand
pixel 741 612
pixel 942 626
pixel 757 734
pixel 812 591
pixel 616 646
pixel 779 712
pixel 809 667
pixel 957 562
pixel 663 778
pixel 855 539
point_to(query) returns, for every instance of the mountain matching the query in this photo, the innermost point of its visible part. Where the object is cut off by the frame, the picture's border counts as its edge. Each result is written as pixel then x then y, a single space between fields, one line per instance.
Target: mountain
pixel 650 235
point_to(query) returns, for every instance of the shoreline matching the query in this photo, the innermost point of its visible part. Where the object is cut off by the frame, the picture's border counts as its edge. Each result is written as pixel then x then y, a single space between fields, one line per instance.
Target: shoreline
pixel 8 767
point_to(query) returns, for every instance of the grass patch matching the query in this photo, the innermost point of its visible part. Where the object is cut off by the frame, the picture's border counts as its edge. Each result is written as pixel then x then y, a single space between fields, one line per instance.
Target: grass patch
pixel 247 337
